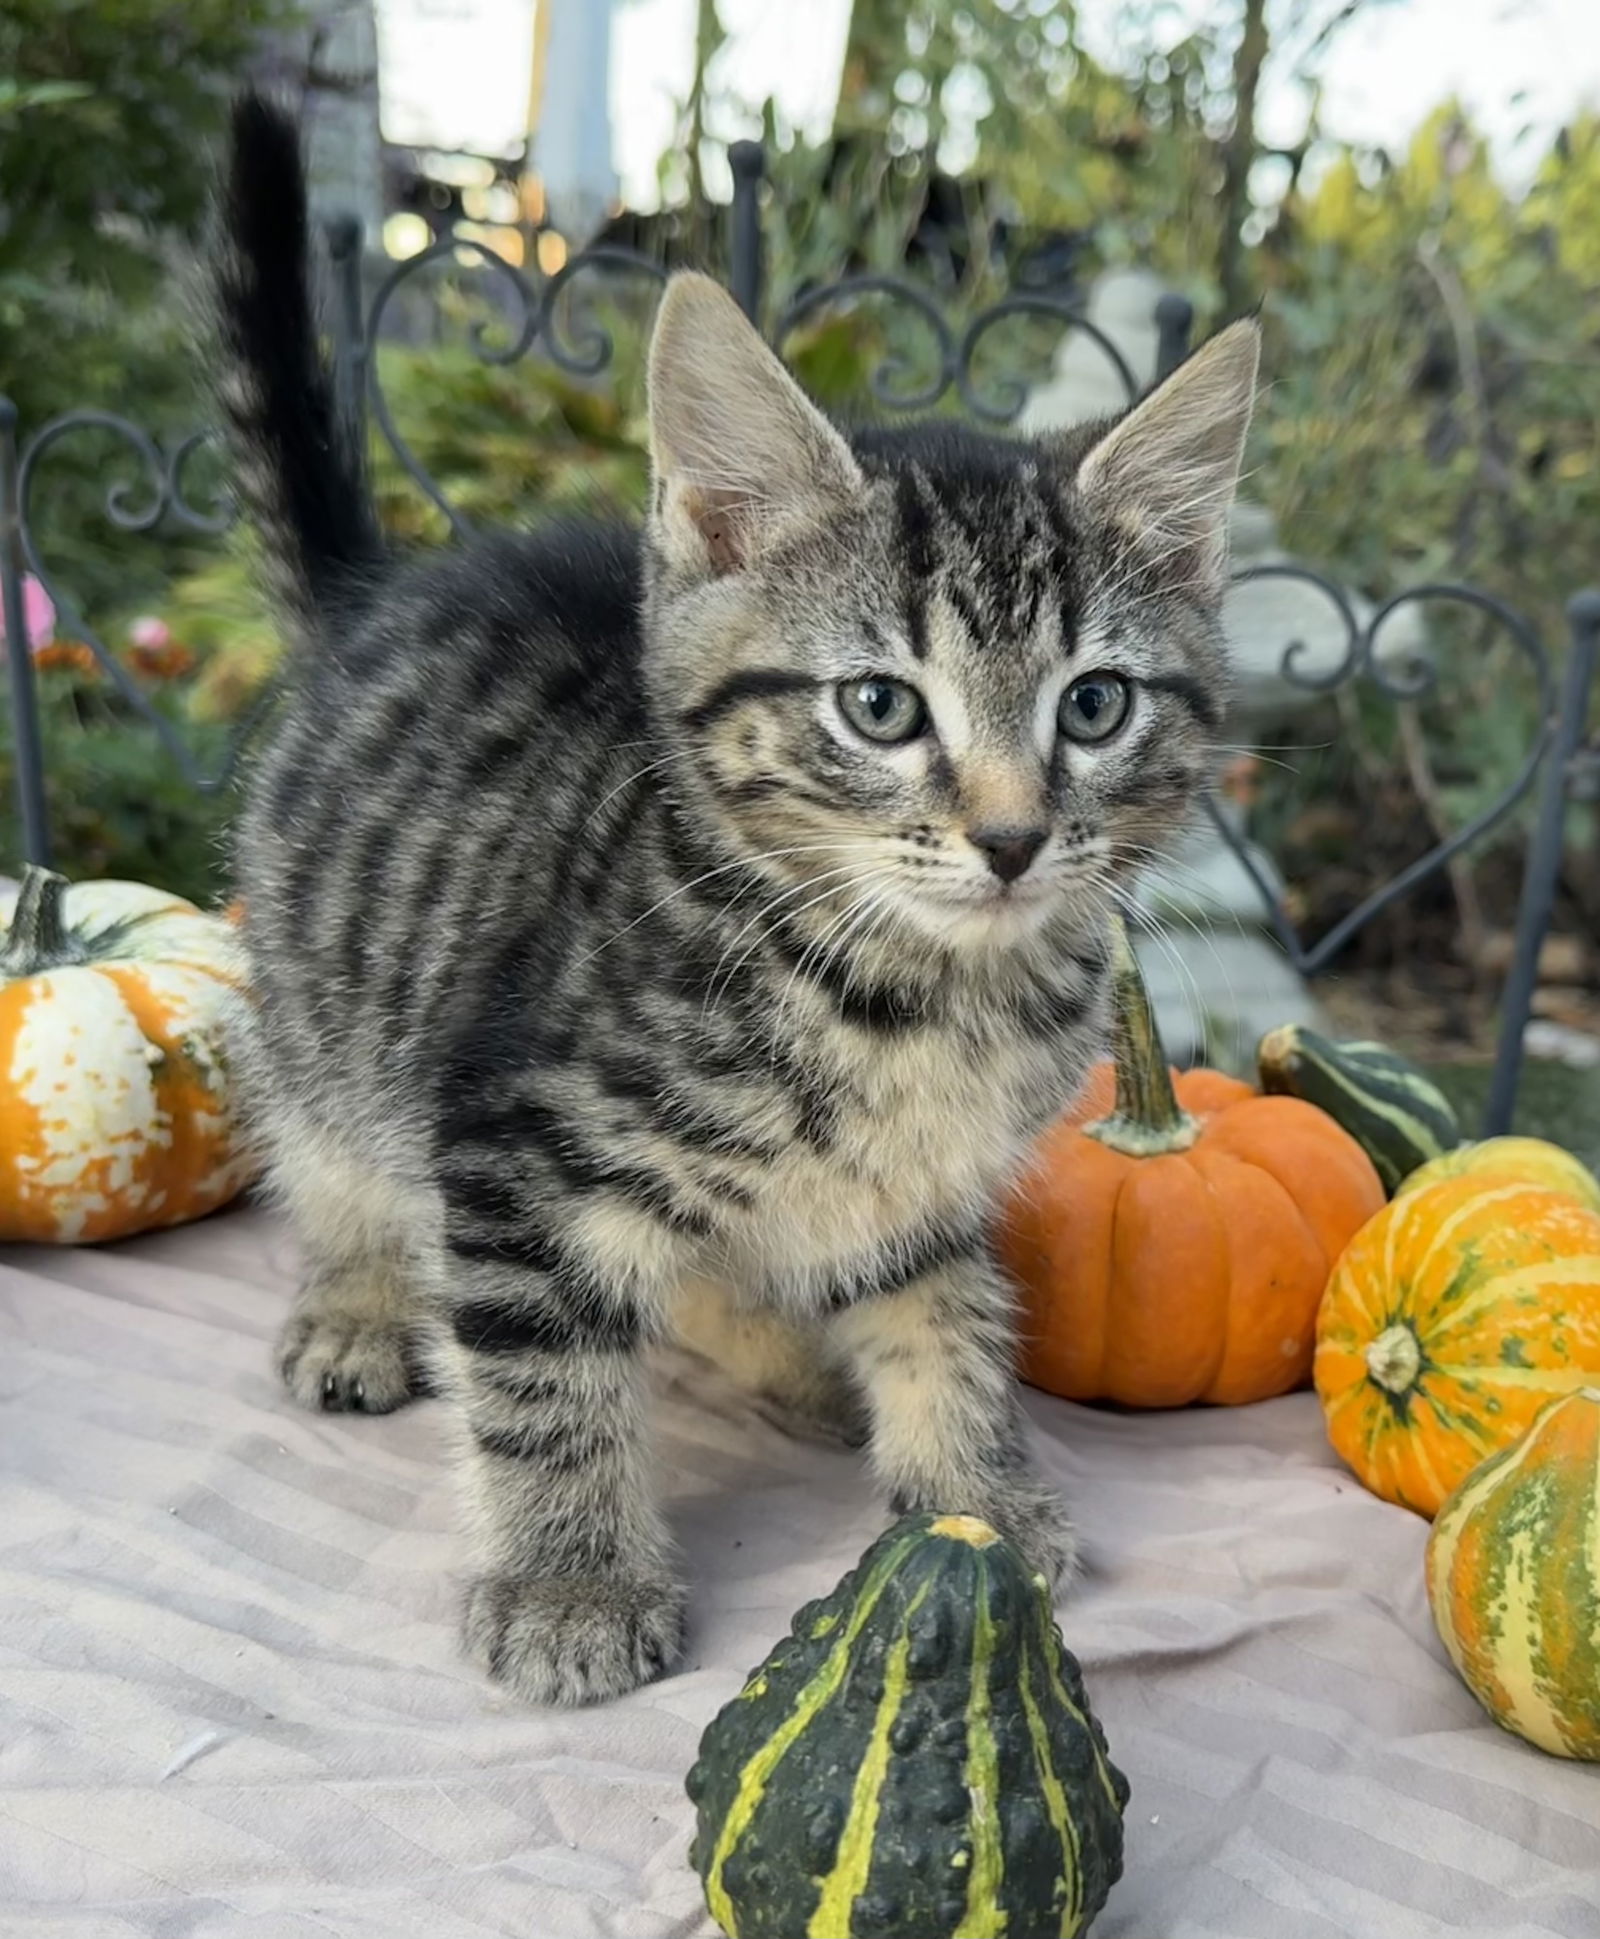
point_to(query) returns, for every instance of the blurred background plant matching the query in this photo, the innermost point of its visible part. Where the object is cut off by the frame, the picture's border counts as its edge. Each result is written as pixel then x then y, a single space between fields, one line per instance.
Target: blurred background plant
pixel 1433 354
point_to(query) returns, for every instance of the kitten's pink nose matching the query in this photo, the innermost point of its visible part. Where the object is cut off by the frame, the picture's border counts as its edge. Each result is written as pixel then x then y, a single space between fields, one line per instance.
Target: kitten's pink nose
pixel 1008 850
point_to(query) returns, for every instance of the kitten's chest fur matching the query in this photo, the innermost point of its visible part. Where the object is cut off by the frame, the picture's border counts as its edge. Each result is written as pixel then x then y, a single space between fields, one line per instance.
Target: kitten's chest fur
pixel 928 1128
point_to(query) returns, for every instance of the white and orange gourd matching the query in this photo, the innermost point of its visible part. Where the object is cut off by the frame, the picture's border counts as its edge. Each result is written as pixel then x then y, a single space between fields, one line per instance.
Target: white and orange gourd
pixel 117 1110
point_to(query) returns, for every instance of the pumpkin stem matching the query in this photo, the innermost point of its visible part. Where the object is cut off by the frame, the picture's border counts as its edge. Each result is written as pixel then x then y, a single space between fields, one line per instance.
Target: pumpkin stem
pixel 38 938
pixel 1146 1119
pixel 1394 1360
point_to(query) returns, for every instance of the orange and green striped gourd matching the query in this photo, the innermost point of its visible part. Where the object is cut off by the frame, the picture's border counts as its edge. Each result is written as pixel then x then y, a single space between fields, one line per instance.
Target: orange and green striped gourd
pixel 1450 1320
pixel 915 1760
pixel 117 1107
pixel 1507 1161
pixel 1513 1572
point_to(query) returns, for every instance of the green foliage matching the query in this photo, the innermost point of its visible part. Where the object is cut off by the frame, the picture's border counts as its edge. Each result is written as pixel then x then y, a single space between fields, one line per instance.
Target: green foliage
pixel 508 443
pixel 1553 1102
pixel 104 109
pixel 1433 399
pixel 108 111
pixel 1435 413
pixel 118 805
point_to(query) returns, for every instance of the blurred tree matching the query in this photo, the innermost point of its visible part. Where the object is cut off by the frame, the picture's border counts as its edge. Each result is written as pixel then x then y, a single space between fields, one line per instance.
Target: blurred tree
pixel 1160 142
pixel 1239 148
pixel 108 111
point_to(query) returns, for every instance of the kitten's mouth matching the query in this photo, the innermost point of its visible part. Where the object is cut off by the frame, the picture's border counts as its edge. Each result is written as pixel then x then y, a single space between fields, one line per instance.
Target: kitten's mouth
pixel 996 895
pixel 983 915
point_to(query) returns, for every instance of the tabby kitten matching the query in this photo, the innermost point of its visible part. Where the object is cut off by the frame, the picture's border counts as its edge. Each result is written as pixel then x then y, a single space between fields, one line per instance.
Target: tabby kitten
pixel 692 927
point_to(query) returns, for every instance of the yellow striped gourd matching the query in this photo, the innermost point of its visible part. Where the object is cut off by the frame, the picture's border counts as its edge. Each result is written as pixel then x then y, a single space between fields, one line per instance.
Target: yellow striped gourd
pixel 1514 1579
pixel 1511 1161
pixel 915 1760
pixel 1450 1320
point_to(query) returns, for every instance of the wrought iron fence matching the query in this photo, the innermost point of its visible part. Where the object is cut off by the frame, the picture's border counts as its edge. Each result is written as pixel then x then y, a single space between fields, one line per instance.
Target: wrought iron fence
pixel 537 309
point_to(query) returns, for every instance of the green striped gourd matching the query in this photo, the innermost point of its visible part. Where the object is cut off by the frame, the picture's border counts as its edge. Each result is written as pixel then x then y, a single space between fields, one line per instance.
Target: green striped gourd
pixel 1514 1580
pixel 1398 1116
pixel 915 1760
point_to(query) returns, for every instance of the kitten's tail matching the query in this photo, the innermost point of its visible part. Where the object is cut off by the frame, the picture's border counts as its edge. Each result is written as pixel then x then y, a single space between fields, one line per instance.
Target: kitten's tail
pixel 300 471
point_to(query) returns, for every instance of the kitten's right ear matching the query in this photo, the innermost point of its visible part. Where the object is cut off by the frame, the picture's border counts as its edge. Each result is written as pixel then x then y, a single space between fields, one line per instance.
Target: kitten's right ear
pixel 742 457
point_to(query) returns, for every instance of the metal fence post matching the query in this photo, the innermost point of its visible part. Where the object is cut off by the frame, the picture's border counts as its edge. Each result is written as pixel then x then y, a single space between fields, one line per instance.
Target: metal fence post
pixel 748 162
pixel 1174 322
pixel 344 236
pixel 1543 867
pixel 26 743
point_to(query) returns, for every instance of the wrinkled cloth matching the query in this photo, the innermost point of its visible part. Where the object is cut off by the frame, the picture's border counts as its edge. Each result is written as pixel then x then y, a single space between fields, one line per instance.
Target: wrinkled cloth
pixel 231 1702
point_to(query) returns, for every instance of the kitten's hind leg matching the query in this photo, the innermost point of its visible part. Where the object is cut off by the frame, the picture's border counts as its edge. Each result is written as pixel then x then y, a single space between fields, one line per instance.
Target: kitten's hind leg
pixel 353 1341
pixel 792 1371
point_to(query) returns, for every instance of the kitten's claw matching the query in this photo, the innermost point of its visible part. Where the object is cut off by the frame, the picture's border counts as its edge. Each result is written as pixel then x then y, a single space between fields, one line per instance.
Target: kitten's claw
pixel 338 1363
pixel 573 1639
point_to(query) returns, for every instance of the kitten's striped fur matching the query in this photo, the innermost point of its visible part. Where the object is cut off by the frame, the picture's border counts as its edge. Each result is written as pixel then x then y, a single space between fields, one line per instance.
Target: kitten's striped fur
pixel 606 974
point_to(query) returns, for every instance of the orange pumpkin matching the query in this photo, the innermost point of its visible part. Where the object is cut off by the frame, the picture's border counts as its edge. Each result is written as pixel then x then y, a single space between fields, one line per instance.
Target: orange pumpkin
pixel 1175 1235
pixel 116 1107
pixel 1449 1323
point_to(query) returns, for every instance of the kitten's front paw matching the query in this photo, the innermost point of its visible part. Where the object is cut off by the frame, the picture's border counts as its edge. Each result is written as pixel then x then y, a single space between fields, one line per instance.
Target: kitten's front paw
pixel 573 1639
pixel 1025 1510
pixel 1031 1514
pixel 344 1363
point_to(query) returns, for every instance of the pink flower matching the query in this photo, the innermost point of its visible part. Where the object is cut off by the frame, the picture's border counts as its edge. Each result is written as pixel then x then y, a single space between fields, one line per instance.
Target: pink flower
pixel 150 633
pixel 38 614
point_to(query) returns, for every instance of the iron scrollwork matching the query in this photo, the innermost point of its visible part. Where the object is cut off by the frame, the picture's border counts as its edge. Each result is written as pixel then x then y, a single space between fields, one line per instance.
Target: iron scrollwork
pixel 539 314
pixel 537 318
pixel 600 347
pixel 1410 684
pixel 135 506
pixel 892 381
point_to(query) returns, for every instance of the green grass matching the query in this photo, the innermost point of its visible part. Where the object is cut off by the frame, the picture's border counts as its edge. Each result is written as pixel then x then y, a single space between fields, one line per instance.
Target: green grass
pixel 1553 1102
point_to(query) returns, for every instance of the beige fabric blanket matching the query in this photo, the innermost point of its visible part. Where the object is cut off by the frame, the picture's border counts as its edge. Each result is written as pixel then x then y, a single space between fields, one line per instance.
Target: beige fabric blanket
pixel 231 1704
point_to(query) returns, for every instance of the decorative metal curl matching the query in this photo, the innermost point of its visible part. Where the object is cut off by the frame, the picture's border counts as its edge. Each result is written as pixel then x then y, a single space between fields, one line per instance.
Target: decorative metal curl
pixel 597 347
pixel 522 292
pixel 881 381
pixel 183 508
pixel 1294 674
pixel 163 472
pixel 887 382
pixel 537 307
pixel 1421 678
pixel 1016 390
pixel 163 480
pixel 1310 958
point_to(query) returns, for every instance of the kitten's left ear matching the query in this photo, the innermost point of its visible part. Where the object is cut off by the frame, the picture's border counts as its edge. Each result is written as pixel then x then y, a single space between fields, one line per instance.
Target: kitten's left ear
pixel 1167 471
pixel 743 459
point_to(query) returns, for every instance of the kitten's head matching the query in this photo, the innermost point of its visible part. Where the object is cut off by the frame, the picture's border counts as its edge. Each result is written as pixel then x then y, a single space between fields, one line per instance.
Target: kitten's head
pixel 964 680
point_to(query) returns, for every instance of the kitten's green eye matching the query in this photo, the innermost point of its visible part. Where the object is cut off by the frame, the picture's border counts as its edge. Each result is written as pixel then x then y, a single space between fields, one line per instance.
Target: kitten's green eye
pixel 883 710
pixel 1093 708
